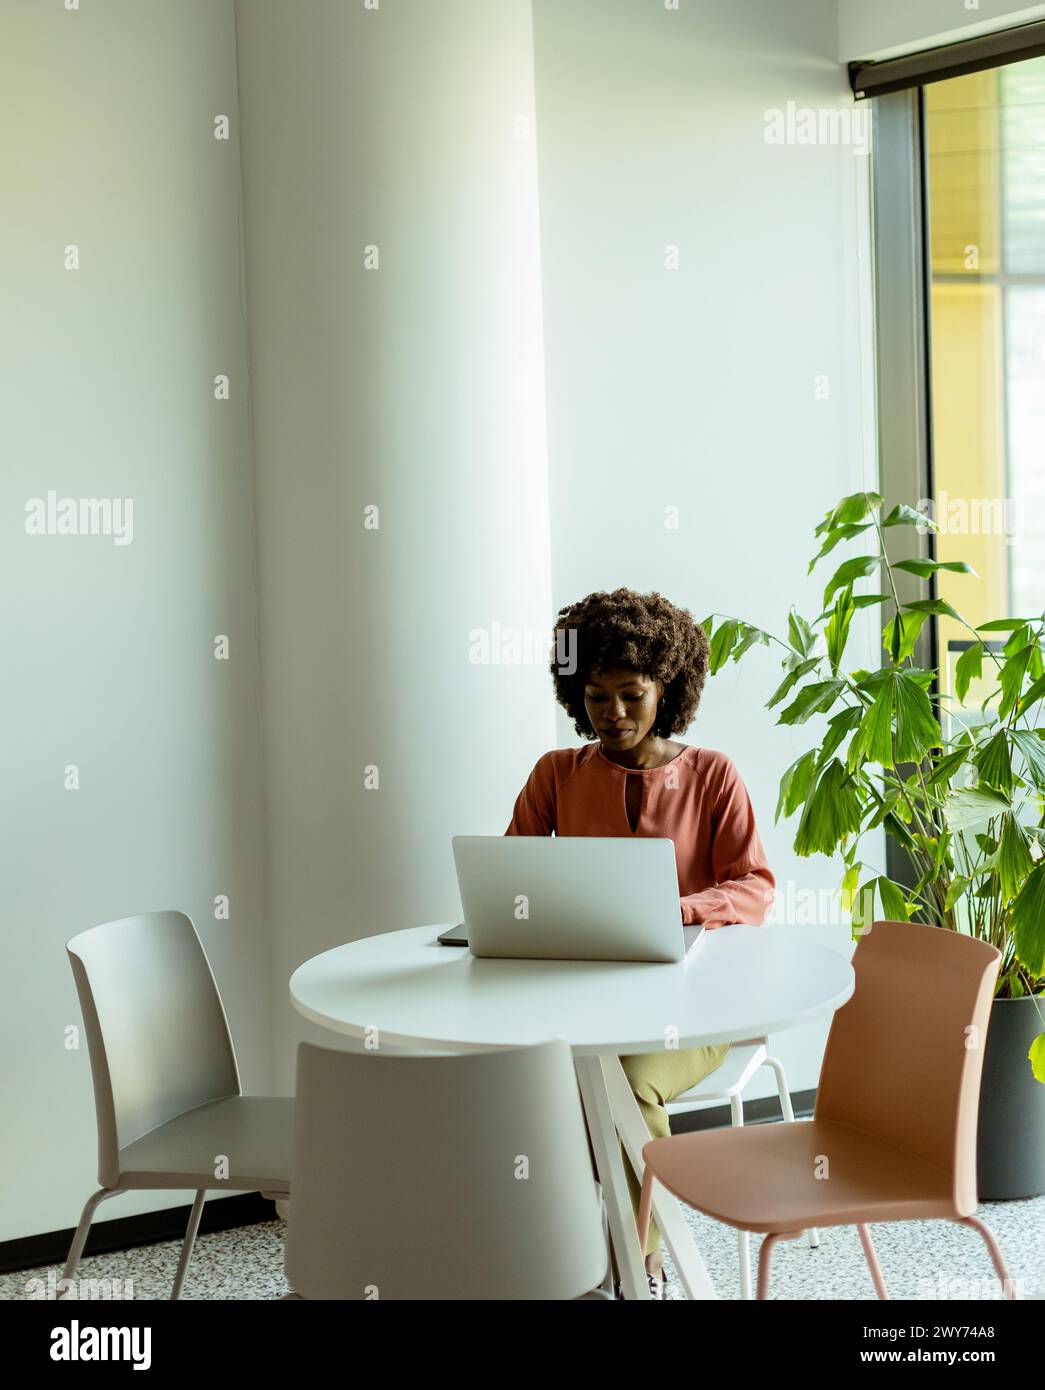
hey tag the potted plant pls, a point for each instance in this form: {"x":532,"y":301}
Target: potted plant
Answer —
{"x":961,"y":790}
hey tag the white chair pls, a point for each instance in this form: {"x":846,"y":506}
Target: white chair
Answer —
{"x":728,"y":1082}
{"x":442,"y":1177}
{"x":167,"y":1092}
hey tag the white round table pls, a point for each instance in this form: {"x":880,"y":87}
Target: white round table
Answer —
{"x":403,"y":989}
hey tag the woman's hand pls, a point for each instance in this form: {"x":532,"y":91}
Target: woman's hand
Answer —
{"x":708,"y":926}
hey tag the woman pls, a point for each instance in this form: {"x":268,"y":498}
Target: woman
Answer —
{"x":635,"y":673}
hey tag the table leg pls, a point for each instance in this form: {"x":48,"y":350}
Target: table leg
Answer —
{"x":627,"y":1118}
{"x":610,"y":1165}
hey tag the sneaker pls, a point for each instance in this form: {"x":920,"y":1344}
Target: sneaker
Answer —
{"x":657,"y":1287}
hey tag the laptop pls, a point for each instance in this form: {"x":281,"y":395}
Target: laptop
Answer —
{"x":543,"y":897}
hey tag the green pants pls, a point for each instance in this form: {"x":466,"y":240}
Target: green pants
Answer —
{"x":656,"y":1078}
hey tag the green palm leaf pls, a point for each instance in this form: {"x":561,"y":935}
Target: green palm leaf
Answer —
{"x":831,"y":812}
{"x":916,"y":727}
{"x":1028,"y":923}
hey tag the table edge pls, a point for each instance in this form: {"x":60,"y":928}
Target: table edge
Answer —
{"x":413,"y":1041}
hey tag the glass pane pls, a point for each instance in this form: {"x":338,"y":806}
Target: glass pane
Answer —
{"x":1022,"y":98}
{"x":985,"y":137}
{"x":1025,"y":373}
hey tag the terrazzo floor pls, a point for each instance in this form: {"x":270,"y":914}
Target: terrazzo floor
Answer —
{"x":919,"y":1259}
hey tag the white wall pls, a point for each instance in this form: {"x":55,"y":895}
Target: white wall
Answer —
{"x":695,"y":387}
{"x":888,"y":28}
{"x":404,"y":127}
{"x":397,"y":128}
{"x":106,"y":142}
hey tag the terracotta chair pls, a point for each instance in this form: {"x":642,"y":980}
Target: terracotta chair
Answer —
{"x":893,"y":1133}
{"x":727,"y":1082}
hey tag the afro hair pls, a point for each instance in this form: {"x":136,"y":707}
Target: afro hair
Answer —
{"x":643,"y":632}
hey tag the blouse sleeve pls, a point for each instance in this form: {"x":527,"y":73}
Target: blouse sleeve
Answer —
{"x":534,"y":812}
{"x":744,"y":883}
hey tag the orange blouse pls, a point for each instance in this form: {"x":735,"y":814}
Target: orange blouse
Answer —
{"x":698,"y":801}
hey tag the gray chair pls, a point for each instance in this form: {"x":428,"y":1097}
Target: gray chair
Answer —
{"x":167,"y":1089}
{"x":442,"y":1177}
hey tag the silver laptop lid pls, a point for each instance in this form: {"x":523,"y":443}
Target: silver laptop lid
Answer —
{"x":570,"y":897}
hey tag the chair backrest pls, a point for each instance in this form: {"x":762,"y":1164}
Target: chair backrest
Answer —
{"x":442,"y":1177}
{"x":904,"y":1056}
{"x":156,"y":1028}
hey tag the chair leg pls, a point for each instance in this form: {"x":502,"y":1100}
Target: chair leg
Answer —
{"x":189,"y":1241}
{"x":645,"y":1207}
{"x":736,"y":1110}
{"x":764,"y":1255}
{"x":788,"y":1112}
{"x":80,"y":1236}
{"x":744,"y":1254}
{"x":607,"y":1282}
{"x":786,"y":1108}
{"x":1007,"y":1290}
{"x":872,"y":1261}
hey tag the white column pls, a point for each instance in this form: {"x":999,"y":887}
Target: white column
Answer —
{"x":407,"y":377}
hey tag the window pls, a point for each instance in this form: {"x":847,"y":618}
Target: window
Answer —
{"x":985,"y":201}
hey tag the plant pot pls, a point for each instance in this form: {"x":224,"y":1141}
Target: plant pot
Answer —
{"x":1010,"y":1146}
